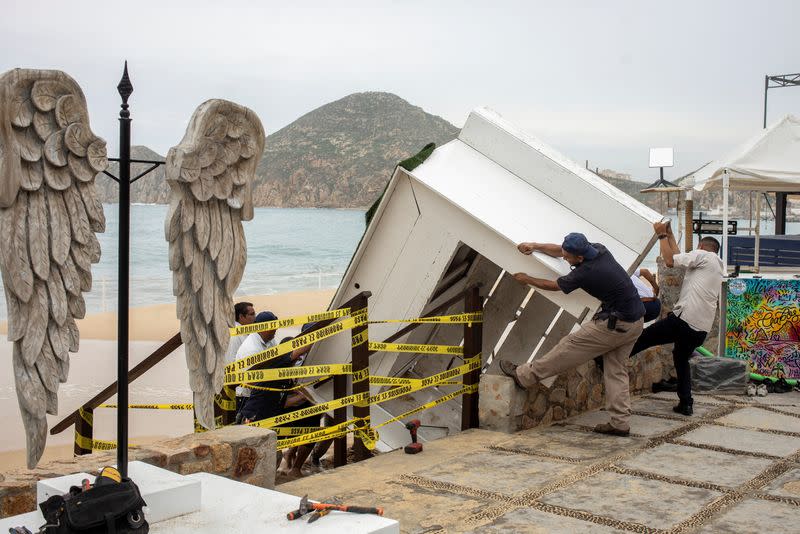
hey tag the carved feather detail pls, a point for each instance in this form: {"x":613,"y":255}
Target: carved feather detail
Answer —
{"x":210,"y":175}
{"x":46,"y":232}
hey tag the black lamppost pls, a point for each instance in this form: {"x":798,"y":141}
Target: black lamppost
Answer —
{"x":125,"y":89}
{"x":774,"y":82}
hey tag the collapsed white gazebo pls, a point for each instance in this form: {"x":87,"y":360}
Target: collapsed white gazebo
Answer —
{"x":456,"y":219}
{"x":770,"y":161}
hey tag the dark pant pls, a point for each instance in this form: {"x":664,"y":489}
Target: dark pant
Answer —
{"x":672,"y":329}
{"x":652,"y":309}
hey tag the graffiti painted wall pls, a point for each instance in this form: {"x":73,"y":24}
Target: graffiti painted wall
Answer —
{"x":764,"y":325}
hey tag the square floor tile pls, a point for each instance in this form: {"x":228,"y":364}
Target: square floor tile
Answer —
{"x":743,"y":440}
{"x":652,"y":503}
{"x":499,"y":472}
{"x":641,"y":425}
{"x":786,"y":485}
{"x":569,"y":442}
{"x":530,"y":520}
{"x":755,"y":516}
{"x":698,"y":465}
{"x":661,"y":407}
{"x":762,"y":419}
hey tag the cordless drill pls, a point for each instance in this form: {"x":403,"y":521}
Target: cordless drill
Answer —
{"x":413,"y":447}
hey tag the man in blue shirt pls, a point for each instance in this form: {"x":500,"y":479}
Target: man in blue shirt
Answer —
{"x":612,"y":331}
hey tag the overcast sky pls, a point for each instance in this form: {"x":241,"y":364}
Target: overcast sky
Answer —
{"x":602,"y":80}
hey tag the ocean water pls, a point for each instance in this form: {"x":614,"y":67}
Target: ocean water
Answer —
{"x":289,"y":249}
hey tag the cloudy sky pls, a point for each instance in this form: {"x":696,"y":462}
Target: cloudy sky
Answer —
{"x":602,"y":80}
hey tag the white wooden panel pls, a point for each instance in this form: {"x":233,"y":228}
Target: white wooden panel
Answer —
{"x":501,"y":309}
{"x":527,"y":331}
{"x":563,"y":180}
{"x":502,"y":252}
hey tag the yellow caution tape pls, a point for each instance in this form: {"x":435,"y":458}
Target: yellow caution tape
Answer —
{"x":461,"y":318}
{"x":153,"y":406}
{"x":226,"y":404}
{"x":86,"y":415}
{"x":294,"y":388}
{"x":198,"y":428}
{"x":358,"y":376}
{"x":368,"y":436}
{"x":267,"y":375}
{"x":292,"y":321}
{"x":321,"y":434}
{"x":375,"y":380}
{"x":360,"y":338}
{"x":295,"y":430}
{"x":310,"y":411}
{"x":473,"y":388}
{"x":296,"y":343}
{"x":416,"y":348}
{"x":433,"y":380}
{"x":97,"y":444}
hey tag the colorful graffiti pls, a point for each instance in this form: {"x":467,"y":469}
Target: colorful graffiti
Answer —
{"x":764,"y":325}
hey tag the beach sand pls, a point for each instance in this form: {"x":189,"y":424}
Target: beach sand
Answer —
{"x":93,"y":368}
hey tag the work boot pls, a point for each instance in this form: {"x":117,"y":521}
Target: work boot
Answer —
{"x":606,"y":428}
{"x":510,"y":369}
{"x":683,"y":409}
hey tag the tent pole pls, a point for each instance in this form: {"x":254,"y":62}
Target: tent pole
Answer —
{"x":725,"y":192}
{"x":758,"y":234}
{"x":688,"y":216}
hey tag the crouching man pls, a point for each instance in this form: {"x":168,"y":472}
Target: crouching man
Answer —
{"x":612,"y":331}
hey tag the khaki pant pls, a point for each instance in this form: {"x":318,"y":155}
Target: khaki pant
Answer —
{"x":593,"y":339}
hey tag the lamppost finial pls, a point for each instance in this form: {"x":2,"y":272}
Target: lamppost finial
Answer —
{"x":125,"y":89}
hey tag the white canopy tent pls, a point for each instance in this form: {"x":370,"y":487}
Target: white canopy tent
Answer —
{"x":770,"y":161}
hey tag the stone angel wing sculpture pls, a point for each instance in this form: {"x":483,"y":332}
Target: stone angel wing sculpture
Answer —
{"x":210,"y":174}
{"x":49,"y":214}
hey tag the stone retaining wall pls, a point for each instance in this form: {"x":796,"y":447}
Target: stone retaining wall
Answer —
{"x":242,"y":453}
{"x":505,"y":408}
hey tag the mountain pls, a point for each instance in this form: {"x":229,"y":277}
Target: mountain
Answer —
{"x":342,"y":154}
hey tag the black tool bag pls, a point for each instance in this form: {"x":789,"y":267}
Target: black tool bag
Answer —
{"x":101,"y":509}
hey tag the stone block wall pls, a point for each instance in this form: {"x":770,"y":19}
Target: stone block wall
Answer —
{"x":242,"y":453}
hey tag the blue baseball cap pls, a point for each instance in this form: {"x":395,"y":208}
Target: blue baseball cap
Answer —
{"x":576,"y":243}
{"x":265,"y":317}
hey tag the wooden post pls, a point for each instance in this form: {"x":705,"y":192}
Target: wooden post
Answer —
{"x":84,"y":431}
{"x":473,"y":339}
{"x":689,"y":217}
{"x":339,"y":416}
{"x":360,"y":360}
{"x":225,"y":406}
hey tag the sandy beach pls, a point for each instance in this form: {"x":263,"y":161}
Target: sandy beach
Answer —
{"x":93,"y":367}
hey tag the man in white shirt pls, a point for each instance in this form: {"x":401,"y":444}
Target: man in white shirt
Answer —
{"x":648,"y":294}
{"x":244,"y":313}
{"x":266,"y":403}
{"x":693,"y":315}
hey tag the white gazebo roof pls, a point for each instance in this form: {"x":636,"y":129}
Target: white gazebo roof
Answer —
{"x":769,"y":161}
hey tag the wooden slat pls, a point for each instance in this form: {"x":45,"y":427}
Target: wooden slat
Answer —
{"x":527,"y":331}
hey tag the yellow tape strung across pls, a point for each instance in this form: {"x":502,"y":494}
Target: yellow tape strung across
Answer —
{"x":360,"y":338}
{"x":294,"y":388}
{"x":267,"y":375}
{"x":292,"y":321}
{"x":375,"y":380}
{"x":311,"y":410}
{"x":320,"y":434}
{"x":153,"y":406}
{"x":296,"y":343}
{"x":86,"y":416}
{"x":450,"y":396}
{"x":461,"y":318}
{"x":433,"y":380}
{"x":416,"y":348}
{"x":295,"y":430}
{"x":97,"y":444}
{"x":226,"y":404}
